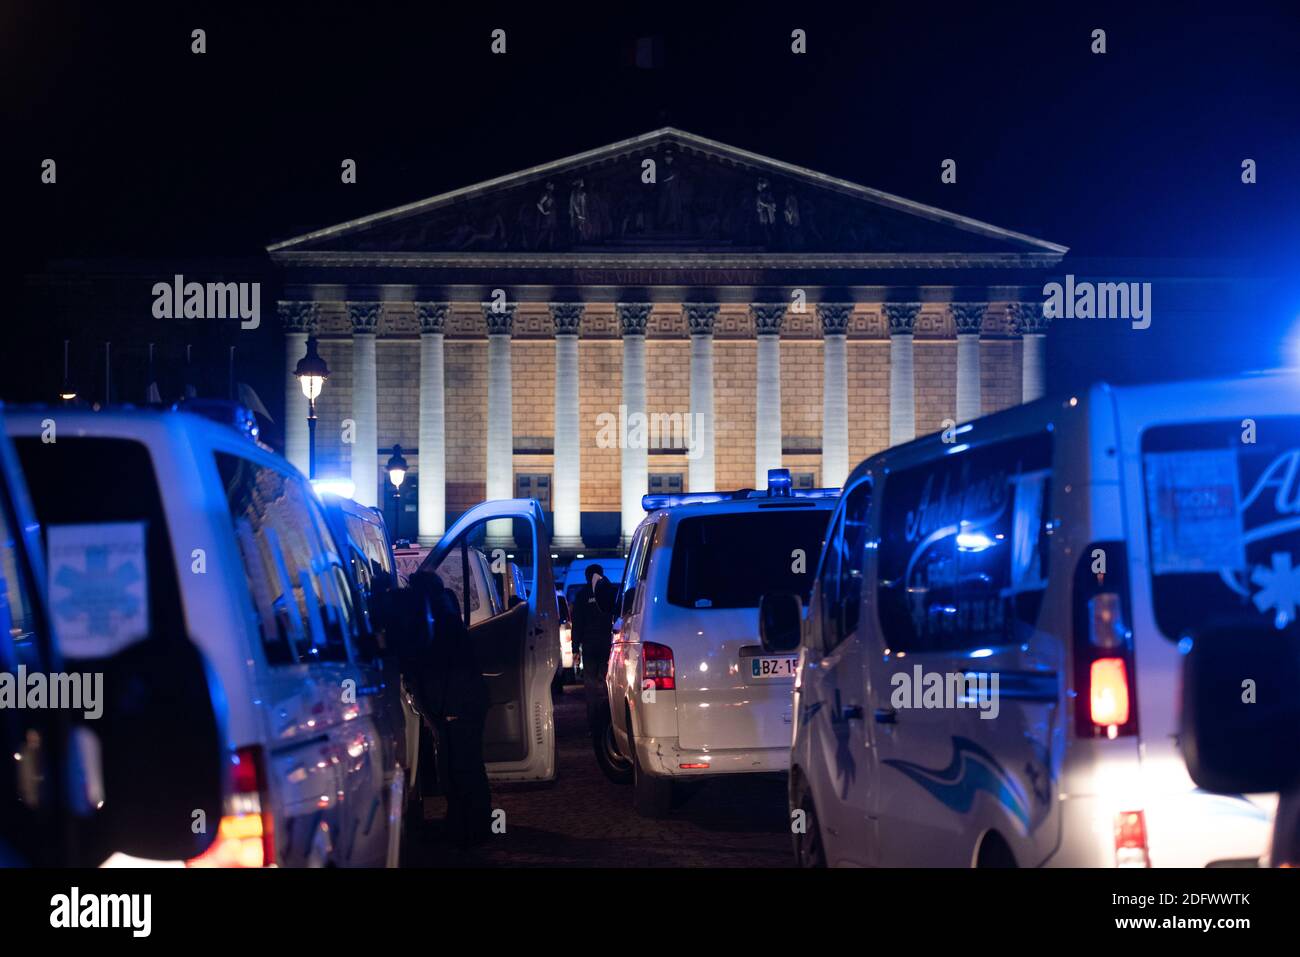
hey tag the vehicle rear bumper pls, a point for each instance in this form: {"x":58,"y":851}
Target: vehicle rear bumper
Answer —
{"x":664,"y":758}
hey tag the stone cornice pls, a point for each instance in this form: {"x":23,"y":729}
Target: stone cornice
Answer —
{"x":660,"y":261}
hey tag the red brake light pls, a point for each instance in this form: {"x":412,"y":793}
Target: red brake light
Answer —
{"x":245,"y":837}
{"x":1131,"y":839}
{"x":1108,"y":692}
{"x":657,"y":667}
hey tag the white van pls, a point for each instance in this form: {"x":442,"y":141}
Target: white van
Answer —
{"x":170,"y":523}
{"x":691,"y":693}
{"x":990,"y":660}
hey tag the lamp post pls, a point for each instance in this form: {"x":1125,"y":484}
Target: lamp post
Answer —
{"x":67,"y":393}
{"x":312,"y":373}
{"x":396,"y":466}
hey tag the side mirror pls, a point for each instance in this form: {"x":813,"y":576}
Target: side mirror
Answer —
{"x":780,"y":620}
{"x":629,"y":598}
{"x":162,"y":755}
{"x":1241,"y":709}
{"x":407,"y":620}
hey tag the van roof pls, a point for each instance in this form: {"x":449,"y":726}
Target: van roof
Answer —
{"x":1272,"y":392}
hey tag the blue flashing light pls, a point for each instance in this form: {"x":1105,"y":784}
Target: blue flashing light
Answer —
{"x":653,"y":502}
{"x":778,"y":482}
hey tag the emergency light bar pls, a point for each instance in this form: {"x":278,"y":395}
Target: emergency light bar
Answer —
{"x":778,"y":486}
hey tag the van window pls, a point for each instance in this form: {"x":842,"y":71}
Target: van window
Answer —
{"x":96,"y":482}
{"x":294,"y":574}
{"x":963,"y":547}
{"x":733,"y":560}
{"x":1223,"y":523}
{"x":851,"y":543}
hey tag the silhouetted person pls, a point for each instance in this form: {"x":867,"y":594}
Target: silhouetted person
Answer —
{"x":454,"y":696}
{"x":591,"y":629}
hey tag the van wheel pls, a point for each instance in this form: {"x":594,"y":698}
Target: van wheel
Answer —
{"x":612,"y":762}
{"x":652,"y":796}
{"x":808,"y":849}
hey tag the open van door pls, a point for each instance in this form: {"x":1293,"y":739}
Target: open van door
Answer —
{"x":519,"y":646}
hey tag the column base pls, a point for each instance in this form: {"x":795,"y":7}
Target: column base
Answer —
{"x":568,"y":543}
{"x":426,"y":541}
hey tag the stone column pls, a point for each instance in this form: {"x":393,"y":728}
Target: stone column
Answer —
{"x":835,"y":392}
{"x":365,"y":402}
{"x":1032,"y":326}
{"x":566,"y":484}
{"x":701,"y":476}
{"x":299,"y":321}
{"x":968,"y":317}
{"x":500,"y":317}
{"x":632,"y":318}
{"x":767,"y":378}
{"x":431,"y":457}
{"x":902,"y":383}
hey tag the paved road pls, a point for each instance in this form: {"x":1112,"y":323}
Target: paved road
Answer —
{"x":584,"y":820}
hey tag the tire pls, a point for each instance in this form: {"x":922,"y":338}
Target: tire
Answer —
{"x":651,"y":796}
{"x":809,"y":851}
{"x":613,"y":763}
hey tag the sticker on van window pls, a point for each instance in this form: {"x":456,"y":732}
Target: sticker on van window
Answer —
{"x":1193,"y":498}
{"x":99,"y":589}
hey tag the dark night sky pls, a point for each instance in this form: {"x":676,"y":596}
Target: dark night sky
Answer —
{"x":163,"y":154}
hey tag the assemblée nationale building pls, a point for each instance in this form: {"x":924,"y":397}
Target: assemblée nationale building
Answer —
{"x":780,"y":316}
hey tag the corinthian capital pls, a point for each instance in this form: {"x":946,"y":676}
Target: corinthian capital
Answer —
{"x":500,"y":317}
{"x":432,"y":316}
{"x":364,"y":317}
{"x":700,"y":316}
{"x":968,"y":317}
{"x":567,"y":317}
{"x":834,"y":317}
{"x":767,"y":317}
{"x":297,"y":316}
{"x":633,"y":317}
{"x":1029,"y":318}
{"x":901,"y":316}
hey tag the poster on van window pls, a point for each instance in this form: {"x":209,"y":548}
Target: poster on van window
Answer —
{"x":1195,"y":513}
{"x":98,"y":585}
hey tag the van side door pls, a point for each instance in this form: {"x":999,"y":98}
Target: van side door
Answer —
{"x":833,"y":692}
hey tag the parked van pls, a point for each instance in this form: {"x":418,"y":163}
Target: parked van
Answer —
{"x":236,"y":554}
{"x":691,"y":692}
{"x":84,"y":782}
{"x":990,"y":658}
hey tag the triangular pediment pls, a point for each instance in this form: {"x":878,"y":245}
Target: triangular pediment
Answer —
{"x":703,"y":197}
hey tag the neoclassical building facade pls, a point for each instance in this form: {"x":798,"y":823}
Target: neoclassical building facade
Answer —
{"x":664,"y":313}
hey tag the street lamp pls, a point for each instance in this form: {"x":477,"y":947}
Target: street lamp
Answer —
{"x":396,"y":466}
{"x":312,"y":373}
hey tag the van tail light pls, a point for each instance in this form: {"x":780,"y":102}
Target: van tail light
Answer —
{"x":657,"y":668}
{"x":1131,"y":840}
{"x":1105,"y":692}
{"x":1108,"y":692}
{"x":245,"y":837}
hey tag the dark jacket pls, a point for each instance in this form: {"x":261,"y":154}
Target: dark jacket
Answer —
{"x":593,"y":617}
{"x":450,"y":682}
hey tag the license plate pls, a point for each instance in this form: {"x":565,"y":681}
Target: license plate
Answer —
{"x":772,"y":667}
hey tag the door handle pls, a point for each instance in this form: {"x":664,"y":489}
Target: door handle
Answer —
{"x":886,"y":716}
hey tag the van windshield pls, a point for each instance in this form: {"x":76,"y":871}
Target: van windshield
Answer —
{"x":731,"y":561}
{"x":1223,"y":522}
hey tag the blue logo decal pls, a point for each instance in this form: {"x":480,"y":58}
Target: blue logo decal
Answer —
{"x":971,"y":770}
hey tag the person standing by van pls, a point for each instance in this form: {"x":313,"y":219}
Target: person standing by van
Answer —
{"x":593,"y":617}
{"x":454,"y":696}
